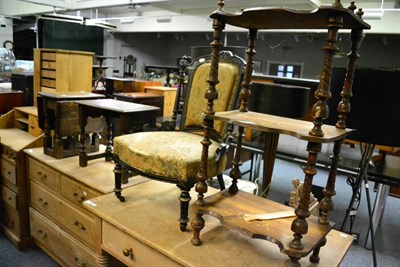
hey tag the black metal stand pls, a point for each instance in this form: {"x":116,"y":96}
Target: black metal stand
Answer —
{"x":362,"y":176}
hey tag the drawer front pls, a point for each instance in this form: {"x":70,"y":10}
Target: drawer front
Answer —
{"x":9,"y":154}
{"x":49,"y":74}
{"x":49,"y":56}
{"x":83,"y":226}
{"x":9,"y":218}
{"x":130,"y":251}
{"x":48,"y":83}
{"x":8,"y":196}
{"x":76,"y":192}
{"x":43,"y":174}
{"x":67,"y":250}
{"x":8,"y":171}
{"x":49,"y":65}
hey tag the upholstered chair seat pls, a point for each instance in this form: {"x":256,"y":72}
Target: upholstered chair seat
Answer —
{"x":173,"y":156}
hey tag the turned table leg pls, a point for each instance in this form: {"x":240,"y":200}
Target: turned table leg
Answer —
{"x":326,"y":204}
{"x":300,"y":225}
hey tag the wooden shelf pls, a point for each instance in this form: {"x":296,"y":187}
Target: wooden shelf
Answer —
{"x":230,"y":209}
{"x":285,"y":18}
{"x":280,"y":125}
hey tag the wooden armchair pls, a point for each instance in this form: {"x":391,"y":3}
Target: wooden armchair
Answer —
{"x":174,"y":156}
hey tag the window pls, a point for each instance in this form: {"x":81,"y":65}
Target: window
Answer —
{"x":282,"y":69}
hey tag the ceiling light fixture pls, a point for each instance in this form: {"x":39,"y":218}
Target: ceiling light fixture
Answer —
{"x":61,"y":17}
{"x":100,"y":23}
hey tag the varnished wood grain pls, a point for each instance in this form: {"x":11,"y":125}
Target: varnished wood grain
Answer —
{"x":152,"y":200}
{"x":280,"y":125}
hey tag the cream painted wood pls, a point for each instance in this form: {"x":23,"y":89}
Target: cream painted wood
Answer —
{"x":58,"y":243}
{"x":43,"y":174}
{"x":155,"y":201}
{"x":131,"y":251}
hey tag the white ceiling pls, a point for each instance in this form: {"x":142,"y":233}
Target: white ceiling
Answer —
{"x":118,"y":7}
{"x":186,"y":12}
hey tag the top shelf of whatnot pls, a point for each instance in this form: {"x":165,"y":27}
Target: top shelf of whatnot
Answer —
{"x":286,"y":18}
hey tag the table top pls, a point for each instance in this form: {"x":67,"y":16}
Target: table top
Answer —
{"x":116,"y":105}
{"x":137,"y":95}
{"x":161,"y":88}
{"x":154,"y":223}
{"x":70,"y":95}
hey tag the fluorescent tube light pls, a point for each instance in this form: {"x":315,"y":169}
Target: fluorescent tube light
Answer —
{"x":100,"y":23}
{"x":61,"y":17}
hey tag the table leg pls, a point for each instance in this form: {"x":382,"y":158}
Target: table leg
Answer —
{"x":109,"y":121}
{"x":83,"y":158}
{"x":270,"y":147}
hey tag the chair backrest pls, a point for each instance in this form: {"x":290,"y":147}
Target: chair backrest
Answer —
{"x":230,"y":75}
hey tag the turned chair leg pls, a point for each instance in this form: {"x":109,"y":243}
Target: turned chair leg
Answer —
{"x":184,"y":199}
{"x":221,"y":181}
{"x":118,"y":170}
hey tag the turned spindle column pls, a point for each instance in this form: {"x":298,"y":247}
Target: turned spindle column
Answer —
{"x":343,"y":109}
{"x":320,"y":110}
{"x":211,"y":94}
{"x":245,"y":92}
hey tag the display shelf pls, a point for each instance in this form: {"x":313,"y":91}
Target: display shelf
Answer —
{"x":280,"y":125}
{"x":224,"y":206}
{"x":298,"y":236}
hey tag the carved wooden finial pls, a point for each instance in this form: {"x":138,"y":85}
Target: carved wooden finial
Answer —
{"x":352,"y":6}
{"x":337,"y":4}
{"x":360,"y":13}
{"x":221,"y":5}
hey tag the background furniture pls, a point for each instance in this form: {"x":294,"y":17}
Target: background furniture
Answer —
{"x":115,"y":85}
{"x":58,"y":70}
{"x":308,"y":231}
{"x":129,"y":117}
{"x":60,"y":226}
{"x":143,"y":98}
{"x":59,"y":119}
{"x":9,"y":98}
{"x":18,"y":131}
{"x":23,"y":82}
{"x":169,"y":94}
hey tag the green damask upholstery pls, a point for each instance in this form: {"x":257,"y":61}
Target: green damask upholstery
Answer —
{"x":171,"y":155}
{"x":197,"y":102}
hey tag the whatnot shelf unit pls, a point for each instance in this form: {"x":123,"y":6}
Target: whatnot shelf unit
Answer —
{"x":299,"y":236}
{"x":18,"y":131}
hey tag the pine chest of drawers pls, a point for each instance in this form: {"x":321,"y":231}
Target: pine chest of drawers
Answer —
{"x":60,"y":225}
{"x":18,"y":130}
